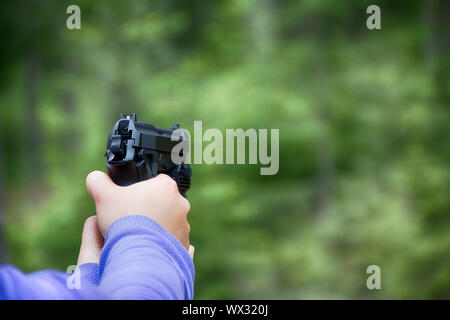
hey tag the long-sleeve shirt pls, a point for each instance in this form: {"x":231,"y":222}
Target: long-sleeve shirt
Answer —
{"x":139,"y":260}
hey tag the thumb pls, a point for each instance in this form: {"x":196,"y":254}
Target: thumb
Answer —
{"x":91,"y":242}
{"x":97,"y":183}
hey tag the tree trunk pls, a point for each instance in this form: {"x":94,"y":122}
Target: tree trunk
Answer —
{"x":262,"y":27}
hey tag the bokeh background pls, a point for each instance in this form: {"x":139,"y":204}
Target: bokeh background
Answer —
{"x":364,"y":135}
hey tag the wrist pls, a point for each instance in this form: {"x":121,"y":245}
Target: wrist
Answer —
{"x":128,"y":229}
{"x":135,"y":224}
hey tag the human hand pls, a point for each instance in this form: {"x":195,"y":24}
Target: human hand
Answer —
{"x":157,"y":198}
{"x":92,"y":243}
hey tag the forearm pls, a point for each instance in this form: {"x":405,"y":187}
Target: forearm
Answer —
{"x":141,"y":260}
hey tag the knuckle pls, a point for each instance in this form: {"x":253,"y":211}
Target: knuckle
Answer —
{"x":185,"y":204}
{"x":168,"y":181}
{"x":172,"y":184}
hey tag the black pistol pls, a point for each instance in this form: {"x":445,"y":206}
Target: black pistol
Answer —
{"x":138,"y":151}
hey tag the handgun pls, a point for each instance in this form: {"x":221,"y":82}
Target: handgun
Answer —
{"x":138,"y":150}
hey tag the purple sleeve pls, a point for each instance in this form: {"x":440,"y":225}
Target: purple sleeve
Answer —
{"x":139,"y":260}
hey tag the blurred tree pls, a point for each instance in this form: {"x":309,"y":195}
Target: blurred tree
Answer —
{"x":363,"y":119}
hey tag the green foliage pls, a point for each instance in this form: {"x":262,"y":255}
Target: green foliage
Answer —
{"x":363,"y":119}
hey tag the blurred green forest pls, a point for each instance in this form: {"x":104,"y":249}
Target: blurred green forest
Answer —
{"x":364,"y":135}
